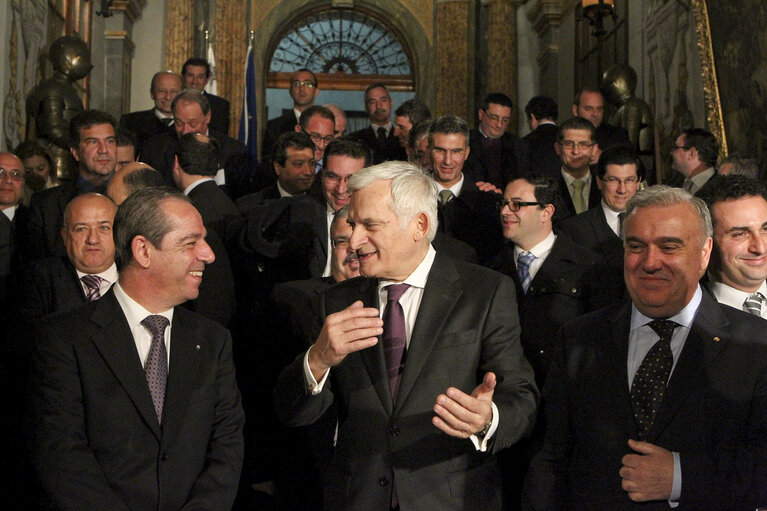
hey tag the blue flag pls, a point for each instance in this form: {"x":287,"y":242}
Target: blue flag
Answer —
{"x":248,"y":123}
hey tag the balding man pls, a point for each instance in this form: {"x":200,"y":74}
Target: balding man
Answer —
{"x":132,"y":178}
{"x":340,"y":128}
{"x":148,"y":123}
{"x":12,"y":214}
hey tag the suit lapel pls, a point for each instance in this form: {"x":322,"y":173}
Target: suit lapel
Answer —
{"x":115,"y":343}
{"x":185,"y":350}
{"x":706,"y":339}
{"x":439,"y":298}
{"x":616,"y":355}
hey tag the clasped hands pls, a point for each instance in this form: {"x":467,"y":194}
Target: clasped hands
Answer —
{"x":357,"y":327}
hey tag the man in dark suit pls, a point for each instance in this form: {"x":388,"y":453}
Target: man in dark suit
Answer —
{"x":319,"y":123}
{"x":465,"y":212}
{"x":406,"y":116}
{"x":12,"y":214}
{"x":133,"y":401}
{"x":542,"y":113}
{"x":619,"y":175}
{"x":147,"y":123}
{"x":379,"y":135}
{"x":694,"y":157}
{"x":496,"y":155}
{"x":643,"y":410}
{"x":303,"y":90}
{"x":578,"y":188}
{"x":94,"y":146}
{"x":416,"y":429}
{"x":196,"y":73}
{"x":589,"y":103}
{"x":192,"y":114}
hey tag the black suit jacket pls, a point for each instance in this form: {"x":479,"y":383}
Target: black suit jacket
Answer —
{"x":472,"y":217}
{"x":515,"y":155}
{"x":391,"y":151}
{"x":144,"y":125}
{"x":49,"y":285}
{"x":274,"y":128}
{"x":565,"y":207}
{"x":465,"y":327}
{"x":714,"y":415}
{"x":42,"y":232}
{"x":216,"y":208}
{"x":238,"y":169}
{"x":544,"y":160}
{"x":607,"y":135}
{"x":219,"y":113}
{"x":96,"y":442}
{"x":11,"y":257}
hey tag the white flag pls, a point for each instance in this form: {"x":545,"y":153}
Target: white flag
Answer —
{"x":212,"y":86}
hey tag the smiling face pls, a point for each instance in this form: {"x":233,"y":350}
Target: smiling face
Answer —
{"x":96,"y":152}
{"x":188,"y":118}
{"x":618,"y":185}
{"x":664,"y":258}
{"x":344,"y":263}
{"x":335,"y":179}
{"x":740,"y":240}
{"x":531,"y":224}
{"x":177,"y":265}
{"x":87,"y":233}
{"x":164,"y":89}
{"x":195,"y":77}
{"x":297,"y":175}
{"x":385,"y":250}
{"x":448,"y":154}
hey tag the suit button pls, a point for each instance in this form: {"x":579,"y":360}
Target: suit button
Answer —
{"x":383,"y":481}
{"x":164,"y":456}
{"x":394,"y":430}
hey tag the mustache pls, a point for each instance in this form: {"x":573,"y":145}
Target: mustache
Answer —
{"x":351,"y":257}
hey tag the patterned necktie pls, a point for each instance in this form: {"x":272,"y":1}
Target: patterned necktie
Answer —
{"x":445,"y":196}
{"x":753,"y":304}
{"x":649,"y":385}
{"x":156,"y":368}
{"x":382,"y":138}
{"x":93,"y":283}
{"x":524,"y":260}
{"x":394,"y":336}
{"x":578,"y":203}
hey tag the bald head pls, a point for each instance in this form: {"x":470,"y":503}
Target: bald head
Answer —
{"x":131,"y":178}
{"x":87,"y":232}
{"x":11,"y":180}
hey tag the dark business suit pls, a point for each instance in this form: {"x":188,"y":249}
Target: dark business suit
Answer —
{"x":11,"y":257}
{"x":233,"y":157}
{"x":215,"y":207}
{"x":49,"y":285}
{"x":274,"y":128}
{"x":144,"y":125}
{"x":42,"y":233}
{"x":566,"y":208}
{"x":391,"y":150}
{"x":714,"y":414}
{"x":607,"y":135}
{"x":544,"y":160}
{"x":219,"y":112}
{"x":465,"y":327}
{"x":514,"y":160}
{"x":472,"y":217}
{"x":96,"y":441}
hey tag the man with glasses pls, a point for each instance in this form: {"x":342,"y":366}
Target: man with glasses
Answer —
{"x":12,"y":215}
{"x":496,"y":156}
{"x":694,"y":156}
{"x":379,"y":135}
{"x":303,"y":90}
{"x":619,"y":175}
{"x":319,"y":123}
{"x":575,"y":146}
{"x":556,"y":281}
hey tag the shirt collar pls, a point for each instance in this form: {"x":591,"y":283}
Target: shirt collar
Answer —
{"x":196,"y":184}
{"x":134,"y":312}
{"x":685,"y":317}
{"x":456,"y":188}
{"x":700,"y":179}
{"x":728,"y":295}
{"x":386,"y":126}
{"x":541,"y":250}
{"x":569,"y":179}
{"x":162,"y":116}
{"x":110,"y":274}
{"x":284,"y":193}
{"x":420,"y":274}
{"x":10,"y":212}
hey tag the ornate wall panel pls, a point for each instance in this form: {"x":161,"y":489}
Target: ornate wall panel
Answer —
{"x":454,"y":71}
{"x":179,"y":35}
{"x":501,"y":66}
{"x":231,"y":43}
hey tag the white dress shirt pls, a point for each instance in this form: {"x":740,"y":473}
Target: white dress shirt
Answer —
{"x":736,"y":298}
{"x":541,"y":251}
{"x":10,"y":212}
{"x":613,"y":221}
{"x":330,"y":214}
{"x":456,"y":188}
{"x":135,"y":314}
{"x":108,"y":277}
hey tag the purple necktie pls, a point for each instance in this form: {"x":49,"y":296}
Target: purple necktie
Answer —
{"x":394,"y":336}
{"x":156,"y":368}
{"x":93,"y":283}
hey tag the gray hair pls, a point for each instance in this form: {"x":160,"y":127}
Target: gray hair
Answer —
{"x":666,"y":196}
{"x":412,"y":191}
{"x":192,"y":96}
{"x":141,"y":214}
{"x":338,"y":216}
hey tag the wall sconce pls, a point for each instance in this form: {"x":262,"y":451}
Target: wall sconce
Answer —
{"x":595,"y":11}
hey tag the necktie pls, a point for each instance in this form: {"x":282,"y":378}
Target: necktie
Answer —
{"x":753,"y":304}
{"x":649,"y":385}
{"x":394,"y":336}
{"x":445,"y":196}
{"x":621,"y":219}
{"x":578,"y":202}
{"x":381,"y":137}
{"x":166,"y":121}
{"x":93,"y":283}
{"x":524,"y":260}
{"x":156,"y":368}
{"x":688,"y":185}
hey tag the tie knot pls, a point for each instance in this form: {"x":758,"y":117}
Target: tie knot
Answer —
{"x":445,"y":196}
{"x":395,"y":291}
{"x":381,"y":132}
{"x":664,"y":328}
{"x":753,"y":304}
{"x":156,"y":324}
{"x":92,"y":281}
{"x":524,"y":259}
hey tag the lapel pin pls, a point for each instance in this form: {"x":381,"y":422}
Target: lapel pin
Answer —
{"x":198,"y":347}
{"x":716,"y":339}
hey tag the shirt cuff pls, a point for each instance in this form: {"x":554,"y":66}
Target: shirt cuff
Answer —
{"x":311,"y":383}
{"x":676,"y":486}
{"x":481,"y":444}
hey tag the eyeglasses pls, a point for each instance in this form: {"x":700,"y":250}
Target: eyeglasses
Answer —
{"x":614,"y":181}
{"x":306,"y":83}
{"x":495,"y":117}
{"x":515,"y":205}
{"x":11,"y":175}
{"x":571,"y":144}
{"x":340,"y":242}
{"x":317,"y":138}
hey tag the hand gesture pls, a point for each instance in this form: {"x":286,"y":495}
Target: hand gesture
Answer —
{"x":462,"y":415}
